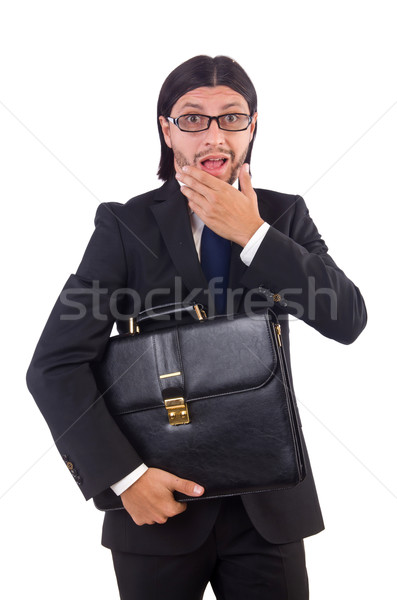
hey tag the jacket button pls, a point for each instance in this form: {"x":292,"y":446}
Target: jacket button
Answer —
{"x":69,"y":465}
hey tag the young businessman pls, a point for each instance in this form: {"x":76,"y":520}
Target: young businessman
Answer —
{"x":150,"y":251}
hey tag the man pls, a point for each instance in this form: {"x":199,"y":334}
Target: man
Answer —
{"x":147,"y":252}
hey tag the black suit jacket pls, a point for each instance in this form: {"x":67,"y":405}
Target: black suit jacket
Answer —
{"x":142,"y":253}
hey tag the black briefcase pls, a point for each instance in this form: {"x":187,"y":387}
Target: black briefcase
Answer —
{"x":210,"y":401}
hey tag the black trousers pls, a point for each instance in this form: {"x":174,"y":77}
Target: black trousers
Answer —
{"x":235,"y":559}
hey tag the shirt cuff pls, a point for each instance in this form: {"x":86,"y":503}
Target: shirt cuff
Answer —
{"x":249,"y":250}
{"x":120,"y":486}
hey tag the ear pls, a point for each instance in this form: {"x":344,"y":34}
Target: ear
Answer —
{"x":165,"y":128}
{"x":253,"y":125}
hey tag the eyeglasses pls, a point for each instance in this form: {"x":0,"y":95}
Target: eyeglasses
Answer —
{"x":194,"y":123}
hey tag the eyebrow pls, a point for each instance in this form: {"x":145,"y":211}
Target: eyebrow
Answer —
{"x":200,"y":106}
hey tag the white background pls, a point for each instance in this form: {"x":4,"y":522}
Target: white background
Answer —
{"x":78,"y":90}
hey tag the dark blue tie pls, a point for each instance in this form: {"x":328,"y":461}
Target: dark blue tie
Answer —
{"x":215,"y":260}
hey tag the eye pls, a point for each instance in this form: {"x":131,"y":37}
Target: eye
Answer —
{"x":193,"y":119}
{"x":234,"y":121}
{"x":192,"y":122}
{"x":232,"y":118}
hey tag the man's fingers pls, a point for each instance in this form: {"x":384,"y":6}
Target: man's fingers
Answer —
{"x":193,"y":195}
{"x":189,"y":488}
{"x":194,"y":184}
{"x":199,"y":180}
{"x":197,"y":177}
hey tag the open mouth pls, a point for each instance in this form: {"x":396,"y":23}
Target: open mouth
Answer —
{"x":213,"y":165}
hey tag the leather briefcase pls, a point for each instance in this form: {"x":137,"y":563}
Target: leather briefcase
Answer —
{"x":210,"y":401}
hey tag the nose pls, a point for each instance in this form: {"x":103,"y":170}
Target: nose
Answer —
{"x":213,"y":135}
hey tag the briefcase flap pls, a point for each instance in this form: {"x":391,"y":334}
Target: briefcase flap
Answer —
{"x":205,"y":359}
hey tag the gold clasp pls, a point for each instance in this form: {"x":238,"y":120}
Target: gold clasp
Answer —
{"x":178,"y":413}
{"x":133,"y":326}
{"x":200,"y":312}
{"x":174,"y":374}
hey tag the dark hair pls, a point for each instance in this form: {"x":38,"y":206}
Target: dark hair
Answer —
{"x":200,"y":71}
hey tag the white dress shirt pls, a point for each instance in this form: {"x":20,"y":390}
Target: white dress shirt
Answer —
{"x":247,"y":256}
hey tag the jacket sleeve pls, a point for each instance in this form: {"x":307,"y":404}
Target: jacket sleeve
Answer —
{"x":298,"y":267}
{"x":59,"y":376}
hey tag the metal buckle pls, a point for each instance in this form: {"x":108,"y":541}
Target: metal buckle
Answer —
{"x":177,"y":410}
{"x":200,"y":312}
{"x":133,"y":326}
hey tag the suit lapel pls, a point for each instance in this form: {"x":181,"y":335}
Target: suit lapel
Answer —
{"x":172,"y":216}
{"x":171,"y":213}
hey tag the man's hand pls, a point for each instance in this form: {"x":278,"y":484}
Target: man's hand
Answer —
{"x":232,"y":214}
{"x":150,"y":499}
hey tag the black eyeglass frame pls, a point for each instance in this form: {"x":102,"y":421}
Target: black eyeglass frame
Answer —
{"x":175,"y":122}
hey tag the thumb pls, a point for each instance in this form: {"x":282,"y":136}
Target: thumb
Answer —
{"x":245,"y":181}
{"x":189,"y":488}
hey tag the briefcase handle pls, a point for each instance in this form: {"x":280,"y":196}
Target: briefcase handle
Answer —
{"x":196,"y":310}
{"x":166,"y":310}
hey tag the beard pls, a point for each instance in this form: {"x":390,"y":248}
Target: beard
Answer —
{"x":236,"y":165}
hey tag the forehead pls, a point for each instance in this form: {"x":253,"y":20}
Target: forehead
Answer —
{"x":216,"y":98}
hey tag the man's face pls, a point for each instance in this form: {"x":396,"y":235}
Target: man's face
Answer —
{"x":218,"y":152}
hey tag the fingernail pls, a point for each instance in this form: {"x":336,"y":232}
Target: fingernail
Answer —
{"x":177,"y":176}
{"x":198,"y":489}
{"x":246,"y":167}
